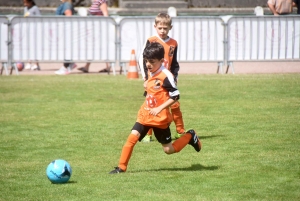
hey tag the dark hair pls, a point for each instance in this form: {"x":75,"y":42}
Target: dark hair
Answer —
{"x":32,"y":1}
{"x":154,"y":51}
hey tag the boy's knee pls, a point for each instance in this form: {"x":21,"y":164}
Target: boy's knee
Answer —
{"x":136,"y":133}
{"x":169,"y":150}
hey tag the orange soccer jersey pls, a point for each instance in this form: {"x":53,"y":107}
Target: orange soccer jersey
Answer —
{"x":160,"y":87}
{"x":169,"y":46}
{"x":170,"y":57}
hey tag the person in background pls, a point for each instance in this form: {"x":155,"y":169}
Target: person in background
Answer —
{"x":296,"y":3}
{"x":98,"y":8}
{"x":31,"y":9}
{"x":66,"y":8}
{"x":280,"y":7}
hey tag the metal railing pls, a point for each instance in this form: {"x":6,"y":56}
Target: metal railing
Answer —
{"x":200,"y":39}
{"x":61,"y":39}
{"x":102,"y":39}
{"x":4,"y":57}
{"x":263,"y":38}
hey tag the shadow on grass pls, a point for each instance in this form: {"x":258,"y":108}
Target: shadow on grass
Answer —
{"x":69,"y":182}
{"x":201,"y":137}
{"x":194,"y":167}
{"x":210,"y":136}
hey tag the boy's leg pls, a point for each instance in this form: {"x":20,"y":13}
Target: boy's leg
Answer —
{"x":180,"y":143}
{"x":177,"y":118}
{"x":127,"y":150}
{"x":189,"y":138}
{"x":163,"y":136}
{"x":137,"y":133}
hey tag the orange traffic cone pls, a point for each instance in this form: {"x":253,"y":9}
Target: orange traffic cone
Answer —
{"x":132,"y":71}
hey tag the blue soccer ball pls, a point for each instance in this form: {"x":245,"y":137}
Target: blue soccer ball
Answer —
{"x":59,"y":171}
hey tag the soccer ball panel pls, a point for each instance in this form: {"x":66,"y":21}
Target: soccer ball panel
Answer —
{"x":59,"y":171}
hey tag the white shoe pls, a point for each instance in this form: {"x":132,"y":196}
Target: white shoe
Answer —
{"x":35,"y":67}
{"x":62,"y":71}
{"x":28,"y":66}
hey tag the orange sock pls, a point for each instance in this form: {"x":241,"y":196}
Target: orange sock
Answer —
{"x":127,"y":151}
{"x":180,"y":143}
{"x":177,"y":117}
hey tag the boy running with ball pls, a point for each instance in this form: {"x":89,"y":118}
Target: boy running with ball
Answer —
{"x":154,"y":112}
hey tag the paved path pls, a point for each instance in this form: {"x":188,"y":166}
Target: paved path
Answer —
{"x":186,"y":68}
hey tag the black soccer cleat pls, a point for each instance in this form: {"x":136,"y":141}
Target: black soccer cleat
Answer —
{"x":195,"y":141}
{"x":117,"y":170}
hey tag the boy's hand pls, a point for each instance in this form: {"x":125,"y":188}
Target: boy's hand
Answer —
{"x":155,"y":111}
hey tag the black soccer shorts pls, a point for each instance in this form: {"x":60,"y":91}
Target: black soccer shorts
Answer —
{"x":163,"y":136}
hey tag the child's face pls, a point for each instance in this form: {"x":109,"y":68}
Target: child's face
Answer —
{"x":162,"y":30}
{"x":153,"y":64}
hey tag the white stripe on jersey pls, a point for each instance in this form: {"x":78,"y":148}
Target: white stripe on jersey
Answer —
{"x":170,"y":79}
{"x":170,"y":76}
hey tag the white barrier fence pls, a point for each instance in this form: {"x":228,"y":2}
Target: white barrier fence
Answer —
{"x":4,"y":42}
{"x":101,"y":39}
{"x":49,"y":39}
{"x":60,"y":39}
{"x":266,"y":38}
{"x":3,"y":39}
{"x":200,"y":39}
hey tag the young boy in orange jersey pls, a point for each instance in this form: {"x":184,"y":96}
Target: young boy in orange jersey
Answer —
{"x":154,"y":112}
{"x":163,"y":24}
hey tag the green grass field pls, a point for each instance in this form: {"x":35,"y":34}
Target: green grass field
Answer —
{"x":249,"y":126}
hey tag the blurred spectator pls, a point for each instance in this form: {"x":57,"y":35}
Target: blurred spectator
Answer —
{"x":98,"y":8}
{"x":31,"y":9}
{"x":296,"y":3}
{"x":281,"y":7}
{"x":66,"y":8}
